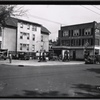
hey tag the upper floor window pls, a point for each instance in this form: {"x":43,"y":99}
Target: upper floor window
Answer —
{"x":33,"y":37}
{"x":97,"y":42}
{"x":33,"y":47}
{"x":27,"y":35}
{"x":87,"y":31}
{"x":76,"y":33}
{"x":66,"y":33}
{"x":0,"y":31}
{"x":28,"y":26}
{"x":20,"y":46}
{"x":27,"y":46}
{"x":34,"y":28}
{"x":21,"y":35}
{"x":42,"y":38}
{"x":0,"y":44}
{"x":21,"y":25}
{"x":97,"y":31}
{"x":41,"y":47}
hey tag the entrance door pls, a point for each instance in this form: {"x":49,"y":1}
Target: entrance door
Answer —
{"x":74,"y":55}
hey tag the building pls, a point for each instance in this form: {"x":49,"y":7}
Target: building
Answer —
{"x":77,"y":38}
{"x":20,"y":36}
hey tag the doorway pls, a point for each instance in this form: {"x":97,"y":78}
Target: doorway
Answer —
{"x":74,"y":55}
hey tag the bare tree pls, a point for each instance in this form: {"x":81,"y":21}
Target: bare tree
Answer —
{"x":8,"y":11}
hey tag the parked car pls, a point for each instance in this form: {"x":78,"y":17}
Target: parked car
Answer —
{"x":3,"y":56}
{"x":90,"y":59}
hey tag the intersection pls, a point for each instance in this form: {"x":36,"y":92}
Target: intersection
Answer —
{"x":70,"y":80}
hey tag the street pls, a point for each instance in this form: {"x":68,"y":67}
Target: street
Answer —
{"x":50,"y":81}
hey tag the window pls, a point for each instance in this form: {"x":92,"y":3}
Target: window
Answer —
{"x":33,"y":37}
{"x":42,"y":38}
{"x":66,"y":33}
{"x":41,"y":47}
{"x":72,"y":42}
{"x":34,"y":28}
{"x":0,"y":31}
{"x":97,"y":42}
{"x":28,"y":47}
{"x":20,"y":46}
{"x":76,"y":33}
{"x":0,"y":44}
{"x":21,"y":35}
{"x":67,"y":43}
{"x":33,"y":47}
{"x":21,"y":25}
{"x":87,"y":31}
{"x":28,"y":36}
{"x":97,"y":32}
{"x":24,"y":45}
{"x":28,"y":26}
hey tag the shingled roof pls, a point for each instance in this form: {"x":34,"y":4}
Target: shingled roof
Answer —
{"x":44,"y":30}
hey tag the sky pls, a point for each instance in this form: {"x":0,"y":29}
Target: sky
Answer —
{"x":54,"y":16}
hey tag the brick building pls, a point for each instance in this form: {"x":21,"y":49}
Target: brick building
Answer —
{"x":76,"y":37}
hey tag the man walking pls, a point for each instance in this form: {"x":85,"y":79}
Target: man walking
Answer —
{"x":10,"y":58}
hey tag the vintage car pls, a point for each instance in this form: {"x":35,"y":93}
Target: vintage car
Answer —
{"x":91,"y":59}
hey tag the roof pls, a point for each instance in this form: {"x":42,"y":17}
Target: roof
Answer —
{"x":29,"y":22}
{"x":13,"y":22}
{"x":76,"y":25}
{"x":45,"y":30}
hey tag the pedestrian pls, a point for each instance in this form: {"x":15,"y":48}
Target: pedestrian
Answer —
{"x":37,"y":55}
{"x":10,"y":58}
{"x":40,"y":56}
{"x":44,"y":55}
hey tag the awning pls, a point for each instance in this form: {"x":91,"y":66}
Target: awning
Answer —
{"x":68,"y":47}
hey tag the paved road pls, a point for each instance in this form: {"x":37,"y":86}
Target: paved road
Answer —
{"x":50,"y":81}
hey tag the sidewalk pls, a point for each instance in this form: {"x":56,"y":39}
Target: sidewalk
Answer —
{"x":36,"y":63}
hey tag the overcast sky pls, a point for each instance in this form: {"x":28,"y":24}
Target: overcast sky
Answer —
{"x":63,"y":14}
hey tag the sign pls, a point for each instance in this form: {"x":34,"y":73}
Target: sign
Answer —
{"x":86,"y":44}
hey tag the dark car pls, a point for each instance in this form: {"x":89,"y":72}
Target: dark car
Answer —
{"x":90,"y":59}
{"x":2,"y":56}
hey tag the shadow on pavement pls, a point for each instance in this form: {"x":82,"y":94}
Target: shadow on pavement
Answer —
{"x":28,"y":93}
{"x":96,"y":70}
{"x":87,"y":90}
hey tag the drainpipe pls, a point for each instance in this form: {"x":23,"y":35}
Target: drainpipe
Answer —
{"x":94,"y":40}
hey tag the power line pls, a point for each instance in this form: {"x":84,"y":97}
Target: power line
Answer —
{"x":47,"y":19}
{"x":90,"y":9}
{"x":96,"y":7}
